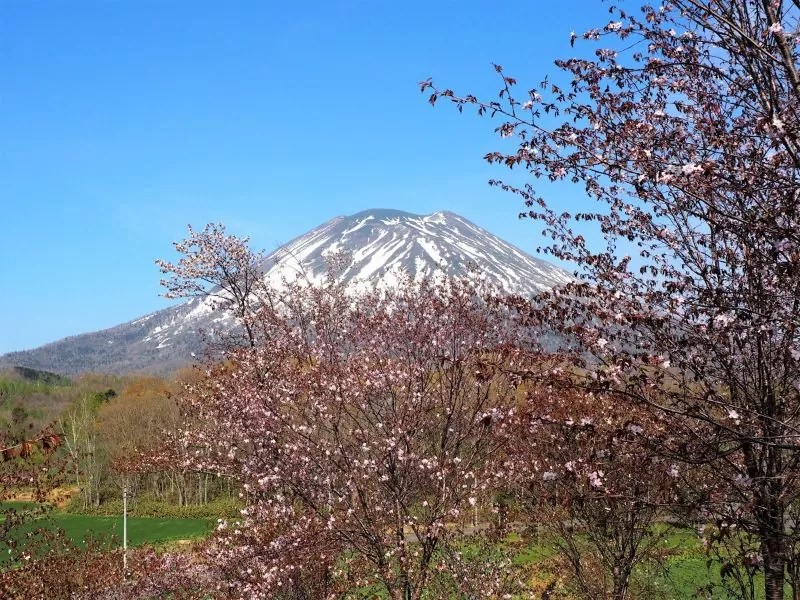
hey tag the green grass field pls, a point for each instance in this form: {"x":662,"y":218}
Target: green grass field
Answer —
{"x":687,"y":570}
{"x":141,"y":530}
{"x":108,"y":530}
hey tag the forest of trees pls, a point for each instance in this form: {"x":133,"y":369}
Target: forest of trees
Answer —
{"x":386,"y":443}
{"x":104,"y":424}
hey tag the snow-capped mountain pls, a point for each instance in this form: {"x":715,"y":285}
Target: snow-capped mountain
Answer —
{"x":377,"y":245}
{"x":381,"y":242}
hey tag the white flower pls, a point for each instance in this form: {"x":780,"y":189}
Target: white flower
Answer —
{"x":601,"y":343}
{"x":690,"y":168}
{"x":673,"y":471}
{"x":549,"y":476}
{"x":724,"y":319}
{"x":596,"y":479}
{"x":635,"y":429}
{"x":775,"y":28}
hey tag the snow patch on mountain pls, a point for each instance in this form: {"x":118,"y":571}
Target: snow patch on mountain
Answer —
{"x":381,"y":244}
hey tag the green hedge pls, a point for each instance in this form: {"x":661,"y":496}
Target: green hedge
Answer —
{"x":218,"y":508}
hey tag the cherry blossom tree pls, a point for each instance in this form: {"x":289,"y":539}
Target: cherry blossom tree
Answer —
{"x":363,"y":430}
{"x":586,"y":473}
{"x":57,"y":567}
{"x":683,"y":130}
{"x":221,"y":266}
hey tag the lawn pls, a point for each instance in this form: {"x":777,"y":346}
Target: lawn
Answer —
{"x":141,"y":530}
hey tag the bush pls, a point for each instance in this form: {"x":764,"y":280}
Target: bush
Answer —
{"x":145,"y":507}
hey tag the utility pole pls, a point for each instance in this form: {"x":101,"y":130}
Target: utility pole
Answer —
{"x":125,"y":530}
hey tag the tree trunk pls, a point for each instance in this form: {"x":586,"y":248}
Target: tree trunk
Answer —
{"x":771,"y":513}
{"x":774,"y":569}
{"x":402,"y":591}
{"x":179,"y":488}
{"x":621,"y":585}
{"x":771,"y":525}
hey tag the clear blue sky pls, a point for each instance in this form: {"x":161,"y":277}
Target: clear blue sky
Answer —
{"x":121,"y":122}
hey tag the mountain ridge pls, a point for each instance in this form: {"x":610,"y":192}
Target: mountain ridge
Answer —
{"x":379,"y":244}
